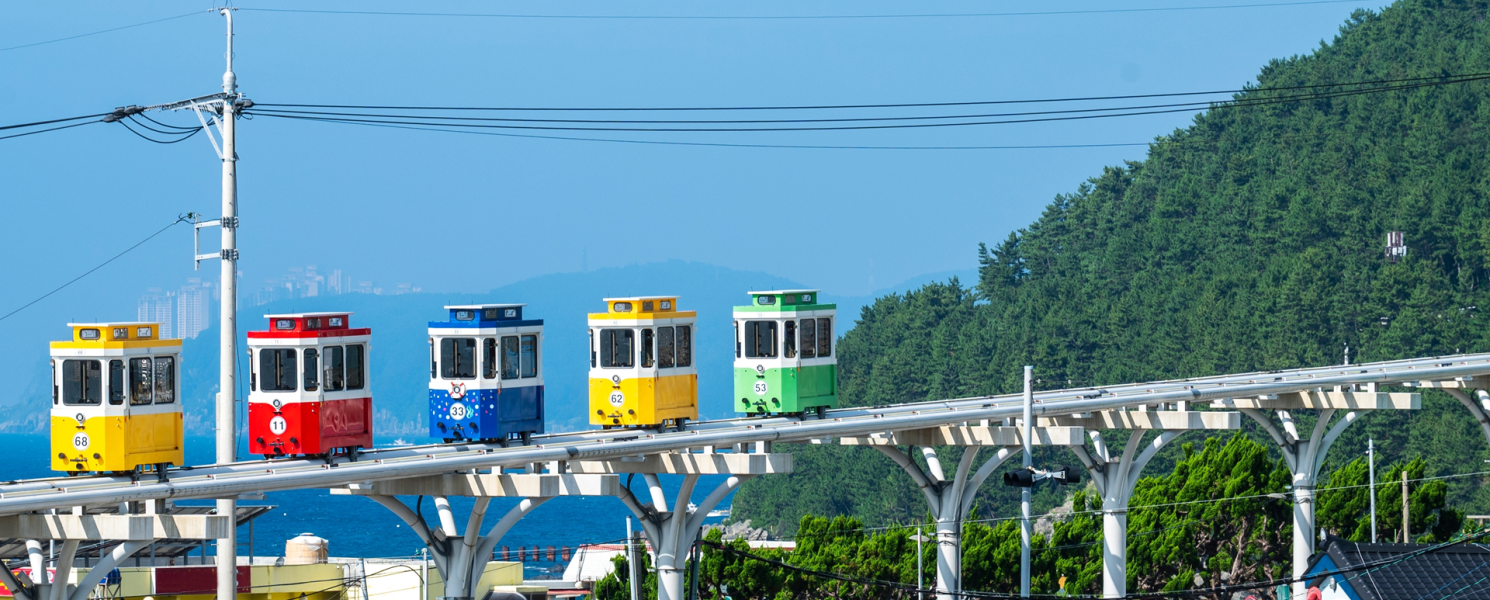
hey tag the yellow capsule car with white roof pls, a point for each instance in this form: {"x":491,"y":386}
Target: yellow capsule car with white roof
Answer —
{"x":641,"y":363}
{"x":115,"y":400}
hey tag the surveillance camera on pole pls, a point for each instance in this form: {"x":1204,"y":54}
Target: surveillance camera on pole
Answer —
{"x":1028,"y":477}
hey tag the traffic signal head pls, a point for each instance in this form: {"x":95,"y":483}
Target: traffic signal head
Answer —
{"x":1020,"y":478}
{"x":1073,"y":475}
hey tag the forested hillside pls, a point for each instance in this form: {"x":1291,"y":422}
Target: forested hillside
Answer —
{"x":1251,"y":240}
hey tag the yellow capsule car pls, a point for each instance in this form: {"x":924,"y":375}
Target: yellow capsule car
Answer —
{"x":641,"y":363}
{"x":115,"y":399}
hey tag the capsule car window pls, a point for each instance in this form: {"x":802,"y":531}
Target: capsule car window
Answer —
{"x":277,"y":369}
{"x":489,"y":358}
{"x":664,"y":347}
{"x":685,"y":346}
{"x":458,"y":358}
{"x":312,"y":366}
{"x":808,"y":333}
{"x":117,"y":390}
{"x":356,"y":367}
{"x":615,"y":348}
{"x":530,"y":356}
{"x":82,"y":382}
{"x":509,"y":357}
{"x":141,"y":381}
{"x":760,"y":339}
{"x":165,"y":379}
{"x":335,"y":369}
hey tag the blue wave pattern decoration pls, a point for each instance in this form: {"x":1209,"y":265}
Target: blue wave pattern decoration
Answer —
{"x":486,"y":414}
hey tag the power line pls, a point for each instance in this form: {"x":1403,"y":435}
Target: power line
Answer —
{"x":1132,"y":111}
{"x":147,"y":118}
{"x":83,"y":35}
{"x":799,"y":17}
{"x":49,"y":129}
{"x":899,"y":105}
{"x":458,"y":121}
{"x":49,"y":122}
{"x":1131,"y":509}
{"x":187,"y":134}
{"x":100,"y":266}
{"x":728,"y":145}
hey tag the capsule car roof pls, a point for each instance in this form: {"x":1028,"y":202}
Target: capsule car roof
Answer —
{"x":639,"y":298}
{"x":310,"y":314}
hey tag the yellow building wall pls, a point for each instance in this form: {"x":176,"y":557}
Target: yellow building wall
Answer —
{"x":324,"y":582}
{"x":287,"y":582}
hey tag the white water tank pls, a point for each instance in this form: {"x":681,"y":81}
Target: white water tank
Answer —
{"x":306,"y":549}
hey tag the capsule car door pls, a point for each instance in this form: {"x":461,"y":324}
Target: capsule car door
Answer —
{"x":152,"y":399}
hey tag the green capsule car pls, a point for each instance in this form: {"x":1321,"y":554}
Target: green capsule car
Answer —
{"x":784,"y":355}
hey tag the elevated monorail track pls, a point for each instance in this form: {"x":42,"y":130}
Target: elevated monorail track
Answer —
{"x":217,"y":481}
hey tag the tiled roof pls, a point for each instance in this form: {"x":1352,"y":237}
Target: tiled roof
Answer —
{"x":1457,"y":571}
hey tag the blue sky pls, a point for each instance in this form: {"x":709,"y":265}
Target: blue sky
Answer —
{"x":453,"y":213}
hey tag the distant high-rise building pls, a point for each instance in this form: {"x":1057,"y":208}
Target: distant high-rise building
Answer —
{"x":335,"y":284}
{"x":155,"y":306}
{"x":308,"y":282}
{"x":193,"y":310}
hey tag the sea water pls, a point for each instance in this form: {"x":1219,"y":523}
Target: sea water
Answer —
{"x":358,"y":527}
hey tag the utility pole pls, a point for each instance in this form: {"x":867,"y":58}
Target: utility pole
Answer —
{"x":632,"y":569}
{"x":1406,"y":526}
{"x":1371,"y":470}
{"x":920,"y":567}
{"x":227,"y":549}
{"x":698,"y":557}
{"x":1024,"y":493}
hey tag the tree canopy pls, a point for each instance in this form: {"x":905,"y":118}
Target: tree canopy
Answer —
{"x":1251,"y":240}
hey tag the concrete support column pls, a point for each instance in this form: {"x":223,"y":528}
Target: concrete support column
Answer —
{"x":38,"y":562}
{"x":1476,"y":409}
{"x":115,"y":558}
{"x":950,"y":499}
{"x":670,"y":574}
{"x":63,"y":570}
{"x":20,"y":590}
{"x":460,"y":558}
{"x":673,"y":532}
{"x":948,"y":559}
{"x":1115,"y":478}
{"x":1303,"y":533}
{"x":1304,"y":458}
{"x":1114,"y":549}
